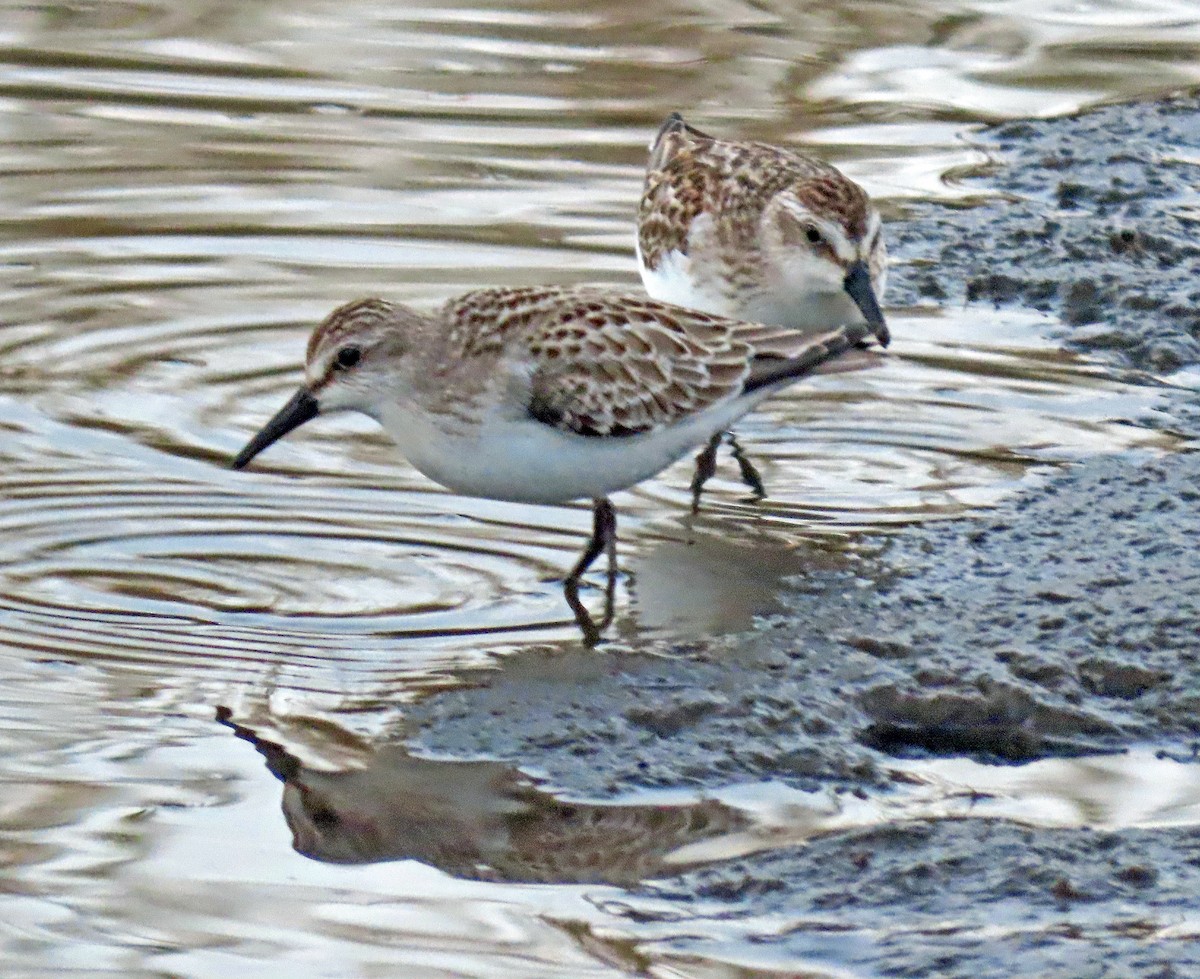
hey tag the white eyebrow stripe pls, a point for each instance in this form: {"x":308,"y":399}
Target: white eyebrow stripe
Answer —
{"x":835,"y":235}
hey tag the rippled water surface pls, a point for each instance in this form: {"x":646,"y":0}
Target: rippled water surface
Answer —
{"x":186,"y":188}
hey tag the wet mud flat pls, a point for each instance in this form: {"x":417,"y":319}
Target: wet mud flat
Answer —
{"x":1063,"y":624}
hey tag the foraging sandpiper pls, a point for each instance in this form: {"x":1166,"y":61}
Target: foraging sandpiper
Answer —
{"x":547,"y":395}
{"x":758,"y":233}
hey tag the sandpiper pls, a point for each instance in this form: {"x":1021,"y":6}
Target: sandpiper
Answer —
{"x":547,"y":395}
{"x":484,"y":820}
{"x":756,"y":232}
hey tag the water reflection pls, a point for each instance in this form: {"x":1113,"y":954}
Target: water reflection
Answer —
{"x":183,"y":185}
{"x":482,"y":820}
{"x":366,"y":802}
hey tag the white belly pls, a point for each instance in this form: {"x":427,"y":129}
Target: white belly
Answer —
{"x":674,"y":281}
{"x":526,"y":461}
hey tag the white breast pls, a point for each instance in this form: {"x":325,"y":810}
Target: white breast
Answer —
{"x":804,"y":293}
{"x":674,"y":281}
{"x":524,"y":460}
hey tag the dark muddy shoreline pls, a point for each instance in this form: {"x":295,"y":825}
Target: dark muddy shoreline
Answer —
{"x":1095,"y":221}
{"x":1065,"y":622}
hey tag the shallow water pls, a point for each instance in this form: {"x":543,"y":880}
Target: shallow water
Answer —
{"x":185,"y":191}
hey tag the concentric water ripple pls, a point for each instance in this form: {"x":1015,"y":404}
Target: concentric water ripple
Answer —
{"x":185,"y":189}
{"x":333,"y":535}
{"x":315,"y":564}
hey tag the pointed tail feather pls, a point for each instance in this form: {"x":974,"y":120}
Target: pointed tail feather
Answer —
{"x":663,"y":147}
{"x":672,"y":124}
{"x":667,"y":140}
{"x":769,"y":371}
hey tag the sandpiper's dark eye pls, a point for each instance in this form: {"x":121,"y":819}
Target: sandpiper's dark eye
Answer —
{"x":813,"y":235}
{"x":347,"y":357}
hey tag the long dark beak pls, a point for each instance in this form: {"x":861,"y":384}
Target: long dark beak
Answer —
{"x":295,"y":413}
{"x":858,"y":284}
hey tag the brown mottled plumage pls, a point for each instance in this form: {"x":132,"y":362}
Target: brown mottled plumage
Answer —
{"x":347,"y":320}
{"x":547,"y":395}
{"x":756,"y":232}
{"x":602,"y":364}
{"x":691,"y":173}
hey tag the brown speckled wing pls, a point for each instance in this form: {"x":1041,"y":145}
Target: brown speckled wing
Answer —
{"x":614,"y":365}
{"x":604,"y":364}
{"x":623,"y":365}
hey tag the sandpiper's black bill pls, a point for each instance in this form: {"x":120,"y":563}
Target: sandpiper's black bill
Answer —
{"x":295,"y":413}
{"x":858,"y":285}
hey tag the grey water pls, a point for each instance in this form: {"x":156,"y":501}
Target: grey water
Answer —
{"x":185,"y":189}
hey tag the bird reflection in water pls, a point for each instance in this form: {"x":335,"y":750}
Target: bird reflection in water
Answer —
{"x":485,"y":820}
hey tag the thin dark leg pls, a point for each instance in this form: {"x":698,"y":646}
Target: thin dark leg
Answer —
{"x":610,"y":544}
{"x":750,"y":474}
{"x":706,"y":466}
{"x":591,"y":629}
{"x":604,"y":538}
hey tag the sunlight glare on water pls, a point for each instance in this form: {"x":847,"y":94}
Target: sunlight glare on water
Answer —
{"x":185,"y":189}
